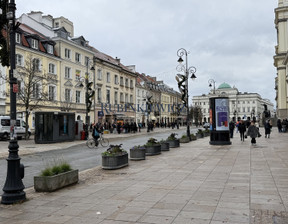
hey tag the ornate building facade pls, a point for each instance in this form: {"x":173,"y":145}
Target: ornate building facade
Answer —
{"x":281,"y":59}
{"x":242,"y":105}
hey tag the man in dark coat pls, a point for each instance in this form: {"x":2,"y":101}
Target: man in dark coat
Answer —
{"x":242,"y":129}
{"x":231,"y":128}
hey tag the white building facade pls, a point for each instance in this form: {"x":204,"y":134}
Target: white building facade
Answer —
{"x":242,"y":105}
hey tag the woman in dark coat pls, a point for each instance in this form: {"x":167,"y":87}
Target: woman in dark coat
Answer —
{"x":242,"y":129}
{"x":267,"y":127}
{"x":253,"y":132}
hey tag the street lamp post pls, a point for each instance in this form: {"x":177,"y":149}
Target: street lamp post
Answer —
{"x":148,"y":105}
{"x":89,"y":94}
{"x":13,"y":187}
{"x":210,"y":82}
{"x":187,"y":70}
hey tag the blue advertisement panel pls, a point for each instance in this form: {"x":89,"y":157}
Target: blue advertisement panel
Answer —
{"x":222,"y":114}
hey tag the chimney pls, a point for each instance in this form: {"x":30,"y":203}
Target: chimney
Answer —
{"x":118,"y":60}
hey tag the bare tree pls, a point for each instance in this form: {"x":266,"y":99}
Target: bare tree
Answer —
{"x":32,"y":87}
{"x":196,"y":114}
{"x":67,"y":105}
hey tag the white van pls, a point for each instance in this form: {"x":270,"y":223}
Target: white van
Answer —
{"x":19,"y":128}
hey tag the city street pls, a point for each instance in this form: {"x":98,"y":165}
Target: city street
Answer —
{"x":79,"y":156}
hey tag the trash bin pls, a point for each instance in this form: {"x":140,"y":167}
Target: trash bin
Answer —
{"x":83,"y":136}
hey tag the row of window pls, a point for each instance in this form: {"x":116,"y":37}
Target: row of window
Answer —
{"x":124,"y":98}
{"x":52,"y":69}
{"x":77,"y":56}
{"x":233,"y":102}
{"x":35,"y":43}
{"x":116,"y":79}
{"x":37,"y":65}
{"x":244,"y":110}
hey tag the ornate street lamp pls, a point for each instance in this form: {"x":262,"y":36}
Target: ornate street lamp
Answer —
{"x":183,"y":87}
{"x":13,"y":187}
{"x":89,"y":93}
{"x":148,"y":107}
{"x":210,"y":82}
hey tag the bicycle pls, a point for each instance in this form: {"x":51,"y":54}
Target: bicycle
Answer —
{"x":102,"y":141}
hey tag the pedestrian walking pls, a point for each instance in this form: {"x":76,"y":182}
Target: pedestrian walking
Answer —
{"x":231,"y":128}
{"x":267,"y":127}
{"x":242,"y":129}
{"x":279,"y":125}
{"x":253,"y":132}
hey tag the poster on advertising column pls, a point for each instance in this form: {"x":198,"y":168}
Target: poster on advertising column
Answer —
{"x":222,"y":113}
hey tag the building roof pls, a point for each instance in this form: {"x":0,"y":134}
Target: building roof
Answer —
{"x":224,"y":86}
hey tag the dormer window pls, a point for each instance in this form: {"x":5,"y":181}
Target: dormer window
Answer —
{"x":49,"y":49}
{"x":35,"y":44}
{"x":18,"y":38}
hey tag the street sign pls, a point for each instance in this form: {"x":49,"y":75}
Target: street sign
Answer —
{"x":15,"y":88}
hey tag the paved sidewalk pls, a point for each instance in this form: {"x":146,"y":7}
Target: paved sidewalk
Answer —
{"x":196,"y":183}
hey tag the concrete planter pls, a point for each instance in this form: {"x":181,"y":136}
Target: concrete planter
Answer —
{"x":198,"y":135}
{"x":193,"y":138}
{"x":165,"y":146}
{"x":206,"y":134}
{"x":114,"y":162}
{"x":138,"y":153}
{"x":153,"y":150}
{"x":184,"y":140}
{"x":174,"y":143}
{"x":53,"y":183}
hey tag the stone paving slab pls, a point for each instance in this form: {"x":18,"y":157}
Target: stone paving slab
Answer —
{"x":196,"y":183}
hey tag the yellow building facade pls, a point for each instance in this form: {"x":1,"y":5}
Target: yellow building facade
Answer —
{"x":281,"y":59}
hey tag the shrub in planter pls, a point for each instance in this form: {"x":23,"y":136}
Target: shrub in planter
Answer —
{"x":152,"y":147}
{"x":173,"y":141}
{"x":138,"y":153}
{"x":200,"y":133}
{"x":55,"y":177}
{"x":184,"y":139}
{"x":206,"y":132}
{"x":164,"y":145}
{"x":193,"y":137}
{"x":114,"y":158}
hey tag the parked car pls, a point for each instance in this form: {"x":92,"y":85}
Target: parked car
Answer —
{"x":206,"y":125}
{"x":19,"y":128}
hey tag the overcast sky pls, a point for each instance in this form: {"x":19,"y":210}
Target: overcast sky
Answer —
{"x":229,"y":41}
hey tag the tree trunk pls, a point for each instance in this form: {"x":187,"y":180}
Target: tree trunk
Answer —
{"x":27,"y":126}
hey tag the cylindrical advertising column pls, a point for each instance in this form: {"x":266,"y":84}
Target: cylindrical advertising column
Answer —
{"x":219,"y":121}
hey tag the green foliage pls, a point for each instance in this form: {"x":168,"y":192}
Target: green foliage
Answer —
{"x":162,"y":141}
{"x":56,"y":167}
{"x":200,"y":131}
{"x":137,"y":147}
{"x":151,"y":142}
{"x":114,"y":150}
{"x":184,"y":136}
{"x":172,"y":137}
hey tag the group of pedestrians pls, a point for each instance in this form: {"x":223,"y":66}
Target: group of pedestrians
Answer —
{"x":282,"y":125}
{"x":249,"y":128}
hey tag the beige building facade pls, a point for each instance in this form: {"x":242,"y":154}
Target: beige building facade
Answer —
{"x":281,"y":59}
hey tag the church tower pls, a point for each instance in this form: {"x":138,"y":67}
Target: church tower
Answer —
{"x":281,"y":58}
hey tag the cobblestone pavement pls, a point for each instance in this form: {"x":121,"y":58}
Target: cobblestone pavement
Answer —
{"x":196,"y":183}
